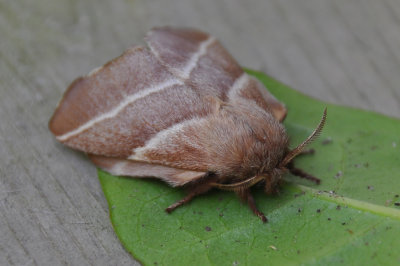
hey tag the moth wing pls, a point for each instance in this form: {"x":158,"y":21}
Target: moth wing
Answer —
{"x":201,"y":61}
{"x":148,"y":106}
{"x":249,"y":89}
{"x":123,"y":167}
{"x":120,"y":106}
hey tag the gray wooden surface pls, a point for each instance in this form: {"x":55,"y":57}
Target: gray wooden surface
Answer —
{"x":52,"y":209}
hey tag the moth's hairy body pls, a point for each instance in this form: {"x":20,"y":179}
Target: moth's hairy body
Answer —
{"x":253,"y":141}
{"x":234,"y":142}
{"x":182,"y":111}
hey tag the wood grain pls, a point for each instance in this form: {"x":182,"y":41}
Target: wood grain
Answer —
{"x":52,"y":210}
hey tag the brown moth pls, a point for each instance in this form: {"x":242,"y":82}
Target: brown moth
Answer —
{"x":182,"y":111}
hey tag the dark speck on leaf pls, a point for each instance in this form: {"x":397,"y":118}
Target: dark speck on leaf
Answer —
{"x":343,"y":223}
{"x":370,"y":187}
{"x":300,"y":194}
{"x":327,"y":141}
{"x":208,"y":229}
{"x":339,"y":174}
{"x":329,"y":218}
{"x":397,"y":203}
{"x":318,"y":210}
{"x":396,"y":196}
{"x":338,"y":207}
{"x":299,"y":210}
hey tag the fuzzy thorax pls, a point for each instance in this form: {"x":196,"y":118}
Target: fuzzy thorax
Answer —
{"x":245,"y":142}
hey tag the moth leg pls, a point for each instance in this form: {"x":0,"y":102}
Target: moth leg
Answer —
{"x":246,"y":196}
{"x":272,"y":186}
{"x":195,"y":191}
{"x":300,"y":173}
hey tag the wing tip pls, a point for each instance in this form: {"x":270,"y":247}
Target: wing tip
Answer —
{"x":57,"y":121}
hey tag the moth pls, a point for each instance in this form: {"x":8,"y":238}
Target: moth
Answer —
{"x":181,"y":110}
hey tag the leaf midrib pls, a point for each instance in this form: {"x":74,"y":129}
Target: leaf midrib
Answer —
{"x":356,"y":204}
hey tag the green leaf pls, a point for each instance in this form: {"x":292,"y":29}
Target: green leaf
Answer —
{"x":351,"y":218}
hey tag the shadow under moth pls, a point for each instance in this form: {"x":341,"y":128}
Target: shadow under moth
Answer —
{"x":181,"y":110}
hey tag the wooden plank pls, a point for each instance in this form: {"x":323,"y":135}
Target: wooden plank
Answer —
{"x":52,"y":210}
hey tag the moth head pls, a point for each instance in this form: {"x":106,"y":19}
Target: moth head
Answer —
{"x":272,"y":176}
